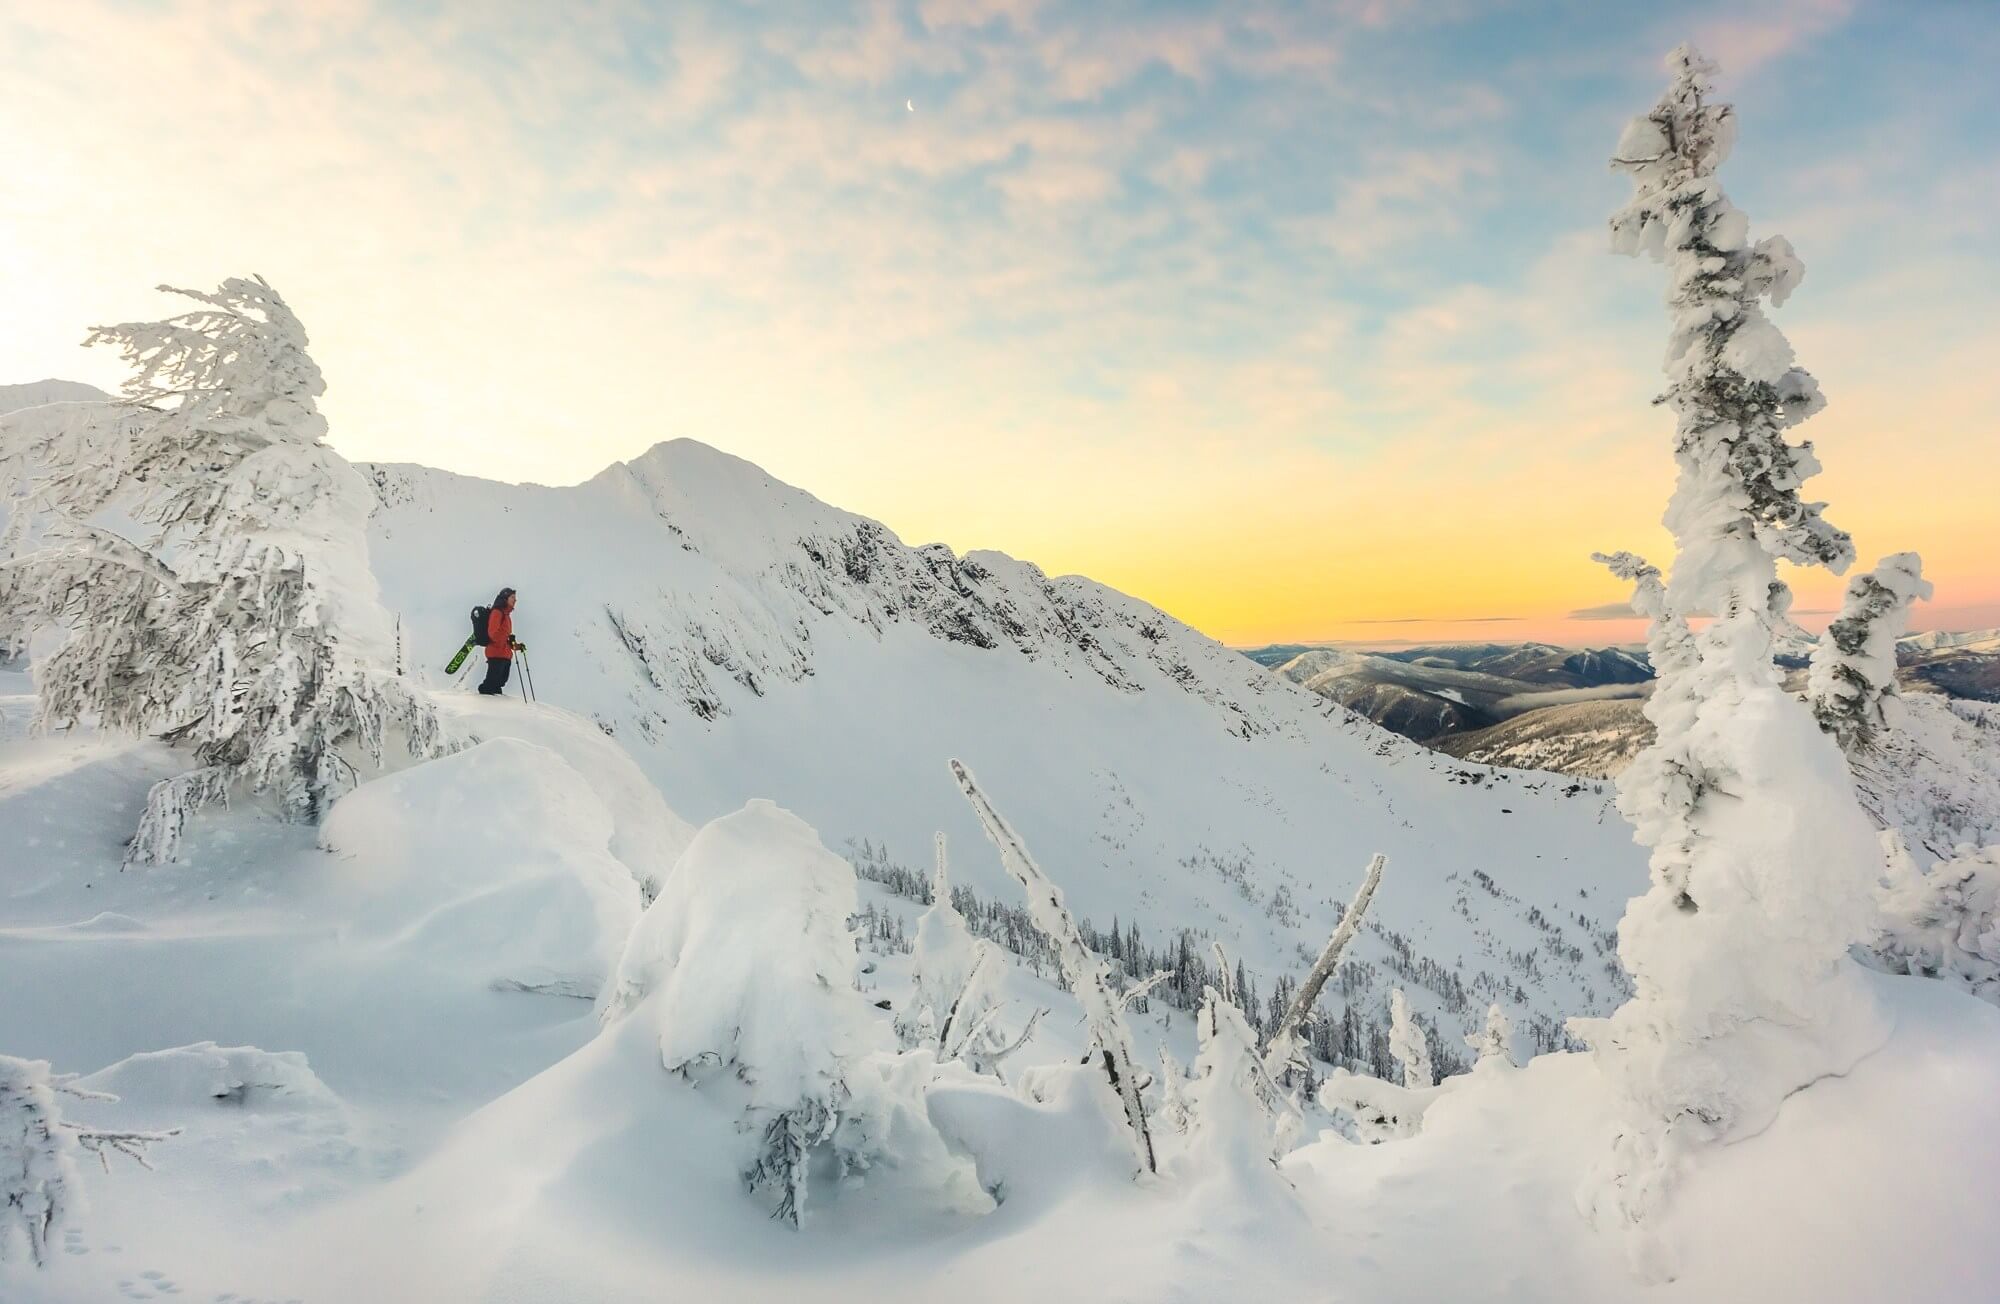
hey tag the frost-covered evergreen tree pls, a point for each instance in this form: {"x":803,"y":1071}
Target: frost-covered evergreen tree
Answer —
{"x":952,"y":1008}
{"x":1852,"y":684}
{"x":1762,"y":860}
{"x":943,"y":957}
{"x":247,"y":628}
{"x":1408,"y":1043}
{"x":1238,"y":1113}
{"x":1173,"y":1096}
{"x":38,"y":1176}
{"x":1944,"y":923}
{"x":1495,"y":1041}
{"x":746,"y":967}
{"x":39,"y":1185}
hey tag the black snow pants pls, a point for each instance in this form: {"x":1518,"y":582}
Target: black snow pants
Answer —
{"x":497,"y":670}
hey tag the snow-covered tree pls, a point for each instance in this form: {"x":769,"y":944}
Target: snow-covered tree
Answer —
{"x":1852,"y":684}
{"x":1762,"y":860}
{"x":952,"y":1008}
{"x":37,"y":1159}
{"x":1238,"y":1113}
{"x":1494,"y":1043}
{"x":942,"y":957}
{"x":1086,"y":972}
{"x":1408,"y":1044}
{"x":39,"y":1185}
{"x":247,"y":628}
{"x":746,"y":967}
{"x":1173,"y":1096}
{"x":1944,"y":923}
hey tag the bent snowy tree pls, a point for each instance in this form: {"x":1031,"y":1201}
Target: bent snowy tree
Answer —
{"x":247,"y":627}
{"x":1283,"y":1049}
{"x":1083,"y":969}
{"x":1762,"y":860}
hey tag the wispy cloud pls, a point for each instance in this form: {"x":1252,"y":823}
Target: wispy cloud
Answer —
{"x":1319,"y":280}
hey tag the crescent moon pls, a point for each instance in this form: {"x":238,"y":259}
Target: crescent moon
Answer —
{"x":911,"y":105}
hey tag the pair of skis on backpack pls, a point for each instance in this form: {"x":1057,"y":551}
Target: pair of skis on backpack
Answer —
{"x":478,"y":639}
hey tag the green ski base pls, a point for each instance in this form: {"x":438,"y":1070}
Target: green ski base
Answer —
{"x":451,"y":667}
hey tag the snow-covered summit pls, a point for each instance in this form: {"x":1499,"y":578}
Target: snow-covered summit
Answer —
{"x":744,"y":639}
{"x":1952,"y":640}
{"x":41,"y":393}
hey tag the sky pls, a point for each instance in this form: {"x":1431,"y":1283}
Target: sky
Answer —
{"x":1295,"y":319}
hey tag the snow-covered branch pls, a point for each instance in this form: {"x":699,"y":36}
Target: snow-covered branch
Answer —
{"x":1286,"y":1031}
{"x":38,"y":1150}
{"x":1084,"y":970}
{"x":1852,"y":684}
{"x":1139,"y":990}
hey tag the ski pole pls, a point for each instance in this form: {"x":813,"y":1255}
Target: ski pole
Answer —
{"x":528,"y":674}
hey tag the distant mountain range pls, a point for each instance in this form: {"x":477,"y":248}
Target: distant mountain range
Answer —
{"x":1580,"y":712}
{"x":1428,"y":693}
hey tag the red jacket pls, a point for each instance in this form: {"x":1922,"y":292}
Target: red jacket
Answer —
{"x":500,"y":634}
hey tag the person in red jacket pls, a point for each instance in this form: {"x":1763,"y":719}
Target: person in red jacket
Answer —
{"x":500,"y":644}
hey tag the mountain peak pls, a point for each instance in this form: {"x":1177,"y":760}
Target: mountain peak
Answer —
{"x":39,"y":393}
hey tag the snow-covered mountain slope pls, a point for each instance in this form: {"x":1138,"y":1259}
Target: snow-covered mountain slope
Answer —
{"x":1963,"y":665}
{"x":384,"y":1090}
{"x":1535,"y":663}
{"x":371,"y":1039}
{"x":743,"y":639}
{"x":1940,"y":640}
{"x":39,"y":393}
{"x":1432,"y":693}
{"x":1592,"y":740}
{"x":1935,"y":776}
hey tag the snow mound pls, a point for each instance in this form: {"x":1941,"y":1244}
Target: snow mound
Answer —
{"x":646,"y":834}
{"x":491,"y":864}
{"x":706,"y":949}
{"x":205,"y":1074}
{"x":260,"y":1123}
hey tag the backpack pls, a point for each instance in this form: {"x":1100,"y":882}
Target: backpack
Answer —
{"x":479,"y":617}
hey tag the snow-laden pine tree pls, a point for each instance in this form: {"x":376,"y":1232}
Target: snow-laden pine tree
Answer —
{"x":745,"y":965}
{"x":1239,"y":1117}
{"x":952,"y":1010}
{"x":1173,"y":1096}
{"x":1408,"y":1044}
{"x":1943,"y":923}
{"x":38,"y":1178}
{"x":1852,"y":683}
{"x":39,"y":1186}
{"x":1762,"y":861}
{"x":247,"y":627}
{"x":1494,"y":1043}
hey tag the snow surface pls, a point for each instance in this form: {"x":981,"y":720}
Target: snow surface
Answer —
{"x":744,"y":640}
{"x":384,"y":1040}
